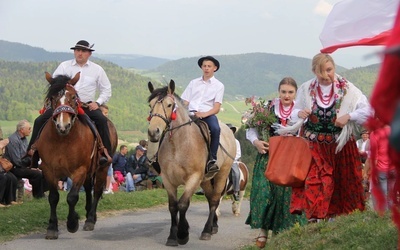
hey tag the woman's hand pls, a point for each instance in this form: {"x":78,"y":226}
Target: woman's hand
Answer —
{"x":342,"y":121}
{"x":262,"y":146}
{"x":303,"y":114}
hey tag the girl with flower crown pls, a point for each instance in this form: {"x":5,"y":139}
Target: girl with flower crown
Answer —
{"x":269,"y":203}
{"x":329,"y":110}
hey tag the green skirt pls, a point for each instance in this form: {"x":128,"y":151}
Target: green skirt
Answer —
{"x":269,"y":203}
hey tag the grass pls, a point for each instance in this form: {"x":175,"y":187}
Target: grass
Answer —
{"x":359,"y":230}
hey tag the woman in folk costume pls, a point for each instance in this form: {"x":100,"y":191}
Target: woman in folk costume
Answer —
{"x":328,"y":109}
{"x":269,"y":203}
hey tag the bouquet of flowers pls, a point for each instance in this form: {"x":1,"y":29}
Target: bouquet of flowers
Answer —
{"x":259,"y":116}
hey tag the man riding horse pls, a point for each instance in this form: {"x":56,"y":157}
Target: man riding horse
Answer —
{"x":92,"y":78}
{"x":204,"y":97}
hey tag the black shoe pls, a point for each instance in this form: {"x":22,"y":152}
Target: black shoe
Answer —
{"x":211,"y":169}
{"x":236,"y":196}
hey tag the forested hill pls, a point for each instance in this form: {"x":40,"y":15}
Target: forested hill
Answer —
{"x":11,"y":51}
{"x":23,"y":86}
{"x":257,"y":73}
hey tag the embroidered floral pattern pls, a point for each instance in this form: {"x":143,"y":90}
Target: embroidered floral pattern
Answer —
{"x":321,"y":124}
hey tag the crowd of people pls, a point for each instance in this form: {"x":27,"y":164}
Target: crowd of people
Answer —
{"x":133,"y":172}
{"x":326,"y":111}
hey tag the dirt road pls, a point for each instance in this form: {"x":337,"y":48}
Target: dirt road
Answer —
{"x":146,"y":229}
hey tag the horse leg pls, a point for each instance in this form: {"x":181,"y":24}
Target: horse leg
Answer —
{"x":218,"y":210}
{"x":173,"y":210}
{"x":183,"y":225}
{"x":52,"y":229}
{"x":73,"y":217}
{"x":99,"y":183}
{"x":90,"y":218}
{"x":211,"y":226}
{"x":234,"y":205}
{"x":239,"y":203}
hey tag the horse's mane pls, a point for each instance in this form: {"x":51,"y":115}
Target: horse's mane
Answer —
{"x":56,"y":85}
{"x":161,"y":93}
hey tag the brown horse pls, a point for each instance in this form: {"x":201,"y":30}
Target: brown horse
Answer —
{"x":244,"y":177}
{"x":182,"y":156}
{"x":68,"y":148}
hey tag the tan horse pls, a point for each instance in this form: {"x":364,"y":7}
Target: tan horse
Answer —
{"x":68,"y":148}
{"x":182,"y":156}
{"x":244,"y":177}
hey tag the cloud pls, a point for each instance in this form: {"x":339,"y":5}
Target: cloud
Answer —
{"x":322,"y":8}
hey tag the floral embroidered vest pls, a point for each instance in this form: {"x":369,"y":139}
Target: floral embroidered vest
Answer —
{"x":320,"y":125}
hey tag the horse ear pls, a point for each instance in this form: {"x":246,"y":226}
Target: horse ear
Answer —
{"x":48,"y":77}
{"x":171,"y":87}
{"x":74,"y":80}
{"x":151,"y":87}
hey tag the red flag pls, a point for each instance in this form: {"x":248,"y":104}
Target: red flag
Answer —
{"x":386,"y":94}
{"x":358,"y":22}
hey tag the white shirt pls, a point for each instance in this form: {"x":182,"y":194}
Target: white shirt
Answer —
{"x":202,"y":95}
{"x":92,"y":78}
{"x":238,"y":151}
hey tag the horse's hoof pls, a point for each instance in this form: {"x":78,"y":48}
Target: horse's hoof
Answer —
{"x":214,"y":230}
{"x":171,"y":243}
{"x":51,"y":235}
{"x":237,"y":214}
{"x":205,"y":236}
{"x":72,"y":227}
{"x":89,"y":226}
{"x":183,"y":241}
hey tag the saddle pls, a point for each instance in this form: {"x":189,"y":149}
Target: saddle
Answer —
{"x":205,"y":132}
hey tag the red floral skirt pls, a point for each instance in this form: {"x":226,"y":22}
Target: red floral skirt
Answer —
{"x":334,"y":184}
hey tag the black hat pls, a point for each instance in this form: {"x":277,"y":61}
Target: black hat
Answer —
{"x":210,"y":58}
{"x":83,"y":45}
{"x":233,"y":128}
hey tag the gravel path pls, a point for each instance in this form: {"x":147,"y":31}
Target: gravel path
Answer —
{"x":147,"y":229}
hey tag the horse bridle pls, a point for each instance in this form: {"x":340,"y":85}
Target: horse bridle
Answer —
{"x":66,"y":108}
{"x":164,"y":117}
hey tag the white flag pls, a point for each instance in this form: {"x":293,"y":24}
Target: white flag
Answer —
{"x":358,"y":22}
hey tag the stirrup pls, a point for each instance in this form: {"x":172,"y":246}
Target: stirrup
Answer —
{"x":211,"y":169}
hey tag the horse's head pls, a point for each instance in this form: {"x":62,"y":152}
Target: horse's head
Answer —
{"x":163,"y":107}
{"x":64,"y":101}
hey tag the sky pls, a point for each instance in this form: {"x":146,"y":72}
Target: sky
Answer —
{"x":176,"y":29}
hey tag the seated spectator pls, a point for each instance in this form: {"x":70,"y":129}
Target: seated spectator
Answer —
{"x":119,"y":160}
{"x":15,"y":151}
{"x":8,"y":182}
{"x":136,"y":168}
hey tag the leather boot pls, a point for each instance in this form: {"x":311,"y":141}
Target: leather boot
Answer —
{"x":104,"y":157}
